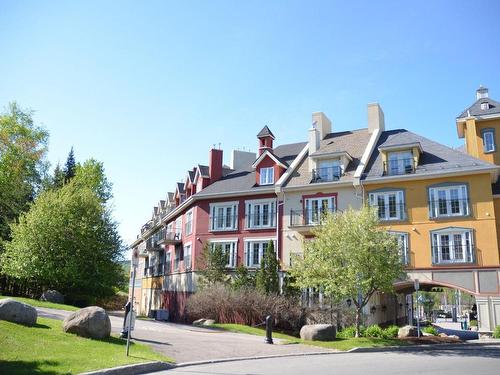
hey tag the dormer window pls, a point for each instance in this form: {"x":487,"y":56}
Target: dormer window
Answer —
{"x":485,"y":106}
{"x":400,"y":162}
{"x":489,"y":140}
{"x":267,"y":176}
{"x":328,"y":170}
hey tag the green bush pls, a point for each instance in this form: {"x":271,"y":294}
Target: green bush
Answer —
{"x":433,"y":331}
{"x":374,"y":331}
{"x":496,"y":333}
{"x":473,"y":323}
{"x":350,"y":332}
{"x":390,"y":332}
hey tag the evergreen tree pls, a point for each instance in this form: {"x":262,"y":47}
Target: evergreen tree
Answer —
{"x":212,"y":264}
{"x":266,"y":280}
{"x":243,"y":279}
{"x":70,"y":166}
{"x":58,"y":178}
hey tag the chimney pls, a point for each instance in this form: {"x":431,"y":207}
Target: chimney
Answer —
{"x":376,"y":118}
{"x":215,"y":165}
{"x":481,"y":92}
{"x":241,"y":159}
{"x":323,"y":124}
{"x":313,"y":138}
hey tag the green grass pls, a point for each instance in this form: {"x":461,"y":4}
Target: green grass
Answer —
{"x":38,"y":303}
{"x":47,"y":349}
{"x":339,"y":344}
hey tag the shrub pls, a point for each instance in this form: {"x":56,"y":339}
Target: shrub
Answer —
{"x":433,"y":331}
{"x":390,"y":332}
{"x":473,"y":323}
{"x":373,"y":331}
{"x":496,"y":333}
{"x":350,"y":332}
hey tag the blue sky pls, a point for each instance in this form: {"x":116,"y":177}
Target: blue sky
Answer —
{"x":148,"y":86}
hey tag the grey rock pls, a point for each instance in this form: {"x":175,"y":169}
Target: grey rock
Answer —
{"x":17,"y":312}
{"x":208,"y":322}
{"x":408,"y":331}
{"x":52,"y":296}
{"x":318,"y":332}
{"x":199,"y":322}
{"x":91,"y":322}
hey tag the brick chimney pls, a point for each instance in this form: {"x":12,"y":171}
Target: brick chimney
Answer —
{"x":215,"y":164}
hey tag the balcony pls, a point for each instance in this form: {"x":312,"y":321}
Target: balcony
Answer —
{"x":261,"y":220}
{"x":151,"y":245}
{"x":390,"y":211}
{"x":399,"y":167}
{"x":452,"y":254}
{"x":168,"y":237}
{"x":148,"y":271}
{"x":326,"y":174}
{"x":223,"y":223}
{"x":158,"y":270}
{"x":443,"y":208}
{"x":303,"y":220}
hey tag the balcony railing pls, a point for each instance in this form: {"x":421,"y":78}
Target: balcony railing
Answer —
{"x":309,"y":217}
{"x":223,"y":222}
{"x":326,"y":174}
{"x":391,"y":211}
{"x":148,"y":271}
{"x":453,"y":254}
{"x":264,"y":219}
{"x":399,"y":167}
{"x":167,"y":236}
{"x":449,"y":207}
{"x":158,"y":269}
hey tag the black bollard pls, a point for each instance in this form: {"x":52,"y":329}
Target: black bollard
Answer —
{"x":124,"y":330}
{"x":269,"y":329}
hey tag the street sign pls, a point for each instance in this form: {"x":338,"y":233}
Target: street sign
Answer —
{"x":135,"y":257}
{"x":129,"y":323}
{"x":417,"y":284}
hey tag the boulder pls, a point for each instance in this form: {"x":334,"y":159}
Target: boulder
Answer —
{"x":442,"y":334}
{"x":90,"y":322}
{"x":318,"y":332}
{"x":17,"y":312}
{"x":52,"y":296}
{"x":199,"y":322}
{"x":408,"y":331}
{"x":208,"y":322}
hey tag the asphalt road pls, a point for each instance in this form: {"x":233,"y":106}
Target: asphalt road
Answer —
{"x":456,"y":360}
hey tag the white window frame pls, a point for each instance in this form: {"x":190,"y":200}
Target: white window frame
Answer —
{"x":188,"y":225}
{"x":387,"y":214}
{"x":233,"y":249}
{"x":485,"y":106}
{"x":489,"y":133}
{"x":253,"y":252}
{"x":314,"y":209}
{"x":401,"y":160}
{"x":459,"y":241}
{"x":255,"y":214}
{"x":447,"y":193}
{"x":327,"y":169}
{"x":215,"y":222}
{"x":266,"y":176}
{"x":404,"y":245}
{"x":187,"y":252}
{"x":178,"y":226}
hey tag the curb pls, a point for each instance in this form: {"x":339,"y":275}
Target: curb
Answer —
{"x":419,"y":348}
{"x":136,"y":369}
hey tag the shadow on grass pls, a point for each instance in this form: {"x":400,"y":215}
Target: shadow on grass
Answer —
{"x":43,"y":326}
{"x":27,"y":367}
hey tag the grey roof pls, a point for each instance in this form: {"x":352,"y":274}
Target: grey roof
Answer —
{"x":244,"y":179}
{"x":180,"y":187}
{"x":435,"y":156}
{"x":265,"y":132}
{"x":170,"y":196}
{"x":191,"y":174}
{"x":475,"y":109}
{"x":353,"y":142}
{"x":204,"y":171}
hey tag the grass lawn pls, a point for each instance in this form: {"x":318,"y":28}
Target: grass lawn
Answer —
{"x":339,"y":344}
{"x":38,"y":303}
{"x":46,"y":349}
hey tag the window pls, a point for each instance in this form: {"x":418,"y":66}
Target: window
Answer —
{"x":489,"y":140}
{"x":403,"y":246}
{"x":187,"y":257}
{"x":267,"y":176}
{"x":400,"y":162}
{"x":485,"y":106}
{"x":261,"y":214}
{"x":168,"y":263}
{"x":224,"y":216}
{"x":254,"y":251}
{"x":188,"y":228}
{"x":316,"y":208}
{"x":178,"y":227}
{"x":328,"y":170}
{"x":448,"y":201}
{"x":230,"y":248}
{"x":452,"y":245}
{"x":390,"y":204}
{"x":177,"y":259}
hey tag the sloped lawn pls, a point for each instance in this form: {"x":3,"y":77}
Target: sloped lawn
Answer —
{"x":46,"y":349}
{"x":38,"y":303}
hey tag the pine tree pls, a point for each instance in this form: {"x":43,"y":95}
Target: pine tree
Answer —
{"x":267,"y":280}
{"x":243,"y":279}
{"x":58,"y":178}
{"x":69,"y":167}
{"x":212,"y":264}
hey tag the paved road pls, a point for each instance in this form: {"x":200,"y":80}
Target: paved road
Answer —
{"x":456,"y":360}
{"x":187,"y":343}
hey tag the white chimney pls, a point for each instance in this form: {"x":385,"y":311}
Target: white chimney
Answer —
{"x":481,"y":92}
{"x":241,"y":159}
{"x":323,"y":124}
{"x":376,"y":118}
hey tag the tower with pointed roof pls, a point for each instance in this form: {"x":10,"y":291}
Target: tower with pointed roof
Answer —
{"x":266,"y":138}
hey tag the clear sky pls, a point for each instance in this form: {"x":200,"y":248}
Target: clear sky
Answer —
{"x":148,"y":86}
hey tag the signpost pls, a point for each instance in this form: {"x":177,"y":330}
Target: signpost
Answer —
{"x":417,"y":287}
{"x":131,"y":315}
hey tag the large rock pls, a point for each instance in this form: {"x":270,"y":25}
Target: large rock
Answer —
{"x":52,"y":296}
{"x":408,"y":331}
{"x":318,"y":332}
{"x":90,"y":322}
{"x":17,"y":312}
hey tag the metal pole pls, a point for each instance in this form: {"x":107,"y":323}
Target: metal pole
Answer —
{"x":129,"y":323}
{"x":418,"y":317}
{"x":269,"y":329}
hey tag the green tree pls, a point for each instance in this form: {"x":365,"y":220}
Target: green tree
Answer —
{"x":70,"y":166}
{"x":212,"y":265}
{"x":243,"y":279}
{"x":350,"y":257}
{"x":58,"y":177}
{"x":67,"y":241}
{"x":266,"y":279}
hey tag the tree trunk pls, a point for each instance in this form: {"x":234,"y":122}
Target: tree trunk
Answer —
{"x":358,"y":320}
